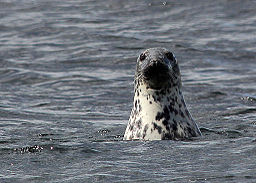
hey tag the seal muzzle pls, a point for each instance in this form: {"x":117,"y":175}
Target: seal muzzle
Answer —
{"x":156,"y":74}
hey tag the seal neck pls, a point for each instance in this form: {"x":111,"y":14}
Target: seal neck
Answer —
{"x":167,"y":95}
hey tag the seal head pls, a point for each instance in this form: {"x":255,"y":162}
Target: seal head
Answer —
{"x":158,"y":68}
{"x":159,"y":111}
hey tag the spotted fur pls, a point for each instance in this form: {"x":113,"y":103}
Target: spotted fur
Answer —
{"x":159,"y":111}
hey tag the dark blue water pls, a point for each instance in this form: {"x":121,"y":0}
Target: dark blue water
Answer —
{"x":66,"y":90}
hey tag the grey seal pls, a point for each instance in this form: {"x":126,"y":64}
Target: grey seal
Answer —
{"x":159,"y":110}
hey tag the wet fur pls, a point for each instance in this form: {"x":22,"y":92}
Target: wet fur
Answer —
{"x":159,"y":114}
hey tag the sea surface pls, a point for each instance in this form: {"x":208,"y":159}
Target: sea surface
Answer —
{"x":66,"y":90}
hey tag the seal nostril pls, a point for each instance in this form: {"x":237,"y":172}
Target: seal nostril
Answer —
{"x":159,"y":66}
{"x":156,"y":63}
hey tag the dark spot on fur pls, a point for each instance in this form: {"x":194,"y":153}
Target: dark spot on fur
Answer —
{"x":182,"y":114}
{"x":167,"y":136}
{"x":135,"y":83}
{"x":133,"y":114}
{"x":150,"y":102}
{"x":139,"y":123}
{"x":131,"y":127}
{"x":162,"y":92}
{"x":145,"y":131}
{"x":166,"y":124}
{"x":176,"y":111}
{"x":159,"y":128}
{"x":138,"y":101}
{"x":174,"y":125}
{"x":138,"y":135}
{"x":172,"y":101}
{"x":171,"y":108}
{"x":159,"y":116}
{"x":165,"y":114}
{"x":190,"y":131}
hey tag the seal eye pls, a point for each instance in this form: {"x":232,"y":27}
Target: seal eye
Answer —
{"x":142,"y":57}
{"x":170,"y":56}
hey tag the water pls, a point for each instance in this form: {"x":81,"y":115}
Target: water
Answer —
{"x":66,"y":83}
